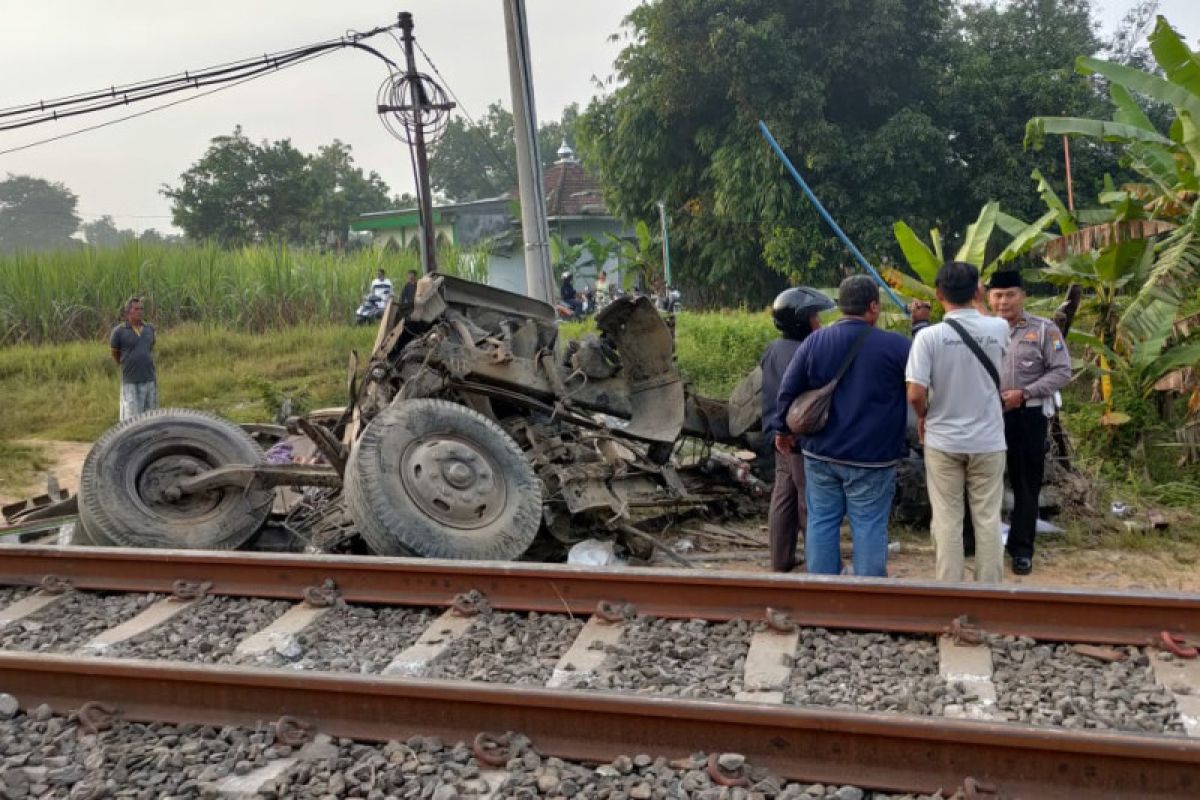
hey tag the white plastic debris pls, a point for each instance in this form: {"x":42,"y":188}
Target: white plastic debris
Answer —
{"x":593,"y":553}
{"x":1047,"y":527}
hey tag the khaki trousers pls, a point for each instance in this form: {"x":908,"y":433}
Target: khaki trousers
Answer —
{"x":982,"y":474}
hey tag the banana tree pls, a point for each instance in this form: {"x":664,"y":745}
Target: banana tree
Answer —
{"x":638,"y":259}
{"x":924,"y":259}
{"x":1167,"y":163}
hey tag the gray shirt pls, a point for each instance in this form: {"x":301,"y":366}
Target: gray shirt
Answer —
{"x":965,"y":415}
{"x":137,"y":356}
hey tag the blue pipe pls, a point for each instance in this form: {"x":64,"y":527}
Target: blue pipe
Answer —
{"x":787,"y":162}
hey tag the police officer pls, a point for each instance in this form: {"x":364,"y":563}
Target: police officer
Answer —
{"x":795,"y":315}
{"x":1035,"y":367}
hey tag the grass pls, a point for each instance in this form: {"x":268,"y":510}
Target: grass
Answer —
{"x":69,"y":391}
{"x":19,"y":461}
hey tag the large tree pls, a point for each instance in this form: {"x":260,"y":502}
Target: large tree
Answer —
{"x":103,"y":232}
{"x":1008,"y":63}
{"x":472,"y":162}
{"x":36,"y":214}
{"x":241,"y":192}
{"x":847,"y":86}
{"x":892,"y":109}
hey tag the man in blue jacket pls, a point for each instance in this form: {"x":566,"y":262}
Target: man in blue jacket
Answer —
{"x":850,"y":465}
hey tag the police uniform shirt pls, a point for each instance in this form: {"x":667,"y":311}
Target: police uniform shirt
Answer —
{"x":1037,"y":360}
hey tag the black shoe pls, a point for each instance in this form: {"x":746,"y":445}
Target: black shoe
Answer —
{"x":1022,"y":566}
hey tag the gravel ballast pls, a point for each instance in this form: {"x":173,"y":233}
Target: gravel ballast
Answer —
{"x":43,"y":755}
{"x":508,"y":648}
{"x":1046,"y":683}
{"x":11,"y":594}
{"x":351,"y":638}
{"x":70,"y":623}
{"x":684,"y":658}
{"x":206,"y":633}
{"x":868,"y":672}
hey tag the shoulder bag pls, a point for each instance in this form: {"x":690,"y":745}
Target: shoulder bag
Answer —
{"x":809,"y":412}
{"x":970,"y":342}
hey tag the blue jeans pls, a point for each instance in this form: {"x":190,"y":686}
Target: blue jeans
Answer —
{"x":865,"y":496}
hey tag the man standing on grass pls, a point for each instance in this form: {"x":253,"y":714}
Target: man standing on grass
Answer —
{"x":1036,"y":366}
{"x":132,"y":346}
{"x":954,"y":387}
{"x":408,"y":292}
{"x":850,"y":464}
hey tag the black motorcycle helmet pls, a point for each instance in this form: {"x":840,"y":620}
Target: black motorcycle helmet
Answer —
{"x":793,"y":308}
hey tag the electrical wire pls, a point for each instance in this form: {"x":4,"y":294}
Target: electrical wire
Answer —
{"x":232,"y":72}
{"x":147,"y":111}
{"x":475,"y":126}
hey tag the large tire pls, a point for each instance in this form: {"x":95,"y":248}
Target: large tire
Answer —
{"x":436,"y":479}
{"x":123,"y":477}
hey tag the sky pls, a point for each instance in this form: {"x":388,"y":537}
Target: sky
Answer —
{"x":53,"y":48}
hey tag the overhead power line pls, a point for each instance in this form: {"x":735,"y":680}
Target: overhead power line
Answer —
{"x":222,"y":76}
{"x":144,"y":112}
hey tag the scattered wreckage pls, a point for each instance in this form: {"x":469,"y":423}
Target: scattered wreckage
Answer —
{"x":471,"y":429}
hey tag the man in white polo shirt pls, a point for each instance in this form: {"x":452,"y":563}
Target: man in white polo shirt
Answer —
{"x":953,"y":377}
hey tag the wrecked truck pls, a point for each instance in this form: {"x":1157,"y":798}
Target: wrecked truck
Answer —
{"x":471,"y":429}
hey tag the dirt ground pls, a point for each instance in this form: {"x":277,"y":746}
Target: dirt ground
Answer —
{"x":67,"y":458}
{"x":1167,"y":565}
{"x":1175,"y":566}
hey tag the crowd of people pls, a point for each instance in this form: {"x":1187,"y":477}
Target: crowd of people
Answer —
{"x":980,"y":385}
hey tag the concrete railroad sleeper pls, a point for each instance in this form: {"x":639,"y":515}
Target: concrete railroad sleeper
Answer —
{"x":1126,"y":617}
{"x":878,"y":750}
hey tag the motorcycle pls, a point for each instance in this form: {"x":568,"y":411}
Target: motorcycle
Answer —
{"x":670,"y":303}
{"x":371,"y":309}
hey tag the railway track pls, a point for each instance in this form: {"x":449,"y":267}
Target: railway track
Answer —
{"x":886,"y":686}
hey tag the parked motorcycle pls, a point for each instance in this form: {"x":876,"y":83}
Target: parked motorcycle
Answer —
{"x":670,"y":303}
{"x":371,"y":309}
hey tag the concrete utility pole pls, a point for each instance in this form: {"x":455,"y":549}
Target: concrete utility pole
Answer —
{"x":539,"y":280}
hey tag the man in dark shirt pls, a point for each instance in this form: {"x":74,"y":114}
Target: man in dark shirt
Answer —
{"x":408,"y":293}
{"x":132,"y":344}
{"x":850,"y":465}
{"x":569,"y":295}
{"x":794,"y":313}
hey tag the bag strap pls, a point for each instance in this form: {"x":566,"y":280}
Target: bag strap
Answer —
{"x":970,"y":342}
{"x":858,"y":343}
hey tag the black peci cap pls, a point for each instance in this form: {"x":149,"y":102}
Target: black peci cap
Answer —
{"x":1006,"y":279}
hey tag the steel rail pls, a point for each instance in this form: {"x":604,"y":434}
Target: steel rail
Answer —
{"x":873,"y":750}
{"x":1126,"y":617}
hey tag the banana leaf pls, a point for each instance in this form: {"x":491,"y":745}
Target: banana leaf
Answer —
{"x":1128,"y":111}
{"x":974,"y":246}
{"x":1066,"y":223}
{"x":1163,"y":90}
{"x":1180,"y":355}
{"x":1026,"y":239}
{"x":907,"y":285}
{"x":1178,"y":62}
{"x":1098,"y":237}
{"x":919,"y":257}
{"x":1039,"y":127}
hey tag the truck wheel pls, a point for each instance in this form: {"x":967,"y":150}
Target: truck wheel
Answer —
{"x":121,"y":486}
{"x":439,"y":480}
